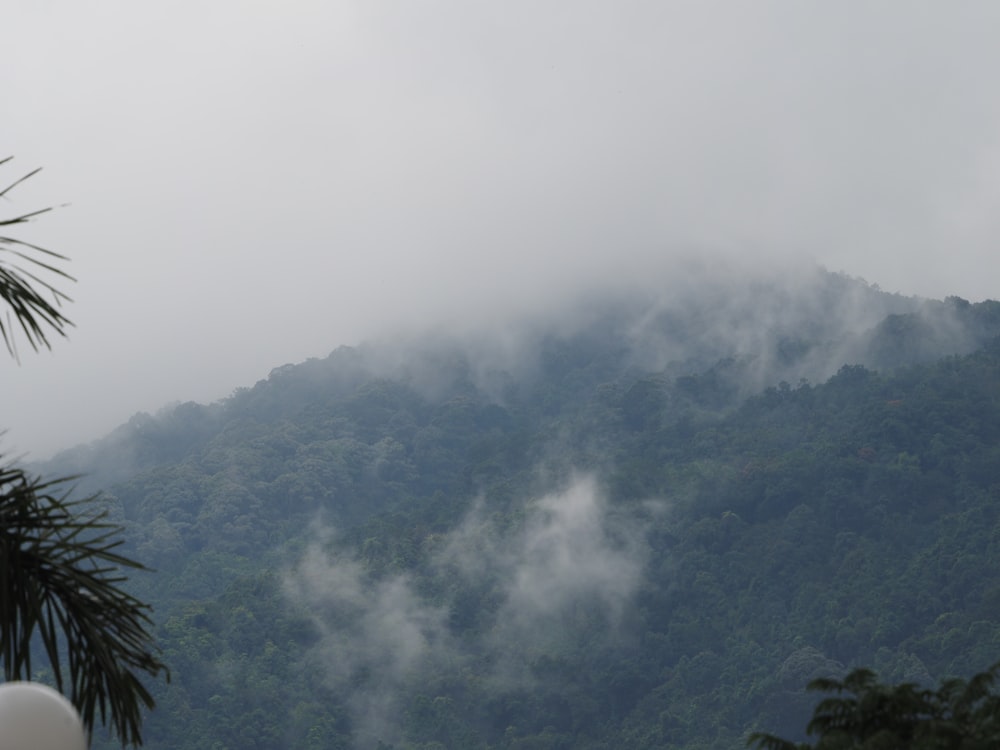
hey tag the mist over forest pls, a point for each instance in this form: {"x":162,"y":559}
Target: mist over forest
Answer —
{"x":645,"y":517}
{"x":510,"y":376}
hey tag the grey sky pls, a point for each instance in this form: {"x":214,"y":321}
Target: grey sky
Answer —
{"x":254,"y":183}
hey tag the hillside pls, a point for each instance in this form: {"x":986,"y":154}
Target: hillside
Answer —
{"x":643,"y":523}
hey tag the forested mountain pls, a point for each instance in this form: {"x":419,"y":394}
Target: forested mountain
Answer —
{"x":645,"y":522}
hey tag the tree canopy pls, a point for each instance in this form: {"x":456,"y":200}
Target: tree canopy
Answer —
{"x":864,"y":714}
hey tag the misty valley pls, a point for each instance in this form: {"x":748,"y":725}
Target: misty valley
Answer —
{"x":647,"y":520}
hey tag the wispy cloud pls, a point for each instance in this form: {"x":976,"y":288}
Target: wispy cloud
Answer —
{"x":572,"y":565}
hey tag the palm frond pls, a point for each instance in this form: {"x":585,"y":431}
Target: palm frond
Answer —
{"x":60,"y":583}
{"x":32,"y":302}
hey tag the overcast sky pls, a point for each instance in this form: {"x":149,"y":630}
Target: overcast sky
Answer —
{"x":254,"y":183}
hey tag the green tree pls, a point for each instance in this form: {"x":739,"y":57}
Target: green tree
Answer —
{"x":60,"y":574}
{"x":864,"y":714}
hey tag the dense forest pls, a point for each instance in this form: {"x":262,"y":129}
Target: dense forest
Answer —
{"x":646,"y":525}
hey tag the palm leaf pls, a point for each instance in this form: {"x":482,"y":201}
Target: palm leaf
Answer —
{"x":32,"y":302}
{"x":60,"y":585}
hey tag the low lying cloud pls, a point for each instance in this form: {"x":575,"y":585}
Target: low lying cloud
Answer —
{"x":374,"y":635}
{"x":573,"y":553}
{"x":570,"y":568}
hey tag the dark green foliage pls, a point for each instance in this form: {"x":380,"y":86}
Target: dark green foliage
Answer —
{"x":60,"y":580}
{"x":959,"y":715}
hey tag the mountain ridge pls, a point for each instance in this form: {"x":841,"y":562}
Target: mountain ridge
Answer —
{"x":641,"y":325}
{"x":618,"y":539}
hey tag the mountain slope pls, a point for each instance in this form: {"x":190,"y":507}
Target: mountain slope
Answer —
{"x":620,"y":529}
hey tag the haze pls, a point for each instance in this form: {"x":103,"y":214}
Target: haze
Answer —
{"x":254,"y":183}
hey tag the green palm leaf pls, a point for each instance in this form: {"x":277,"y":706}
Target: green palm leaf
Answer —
{"x":33,"y":303}
{"x":60,"y":576}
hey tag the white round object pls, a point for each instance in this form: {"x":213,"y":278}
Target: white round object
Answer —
{"x":36,"y":717}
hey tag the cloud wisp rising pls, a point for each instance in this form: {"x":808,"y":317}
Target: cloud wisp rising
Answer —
{"x":572,"y":565}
